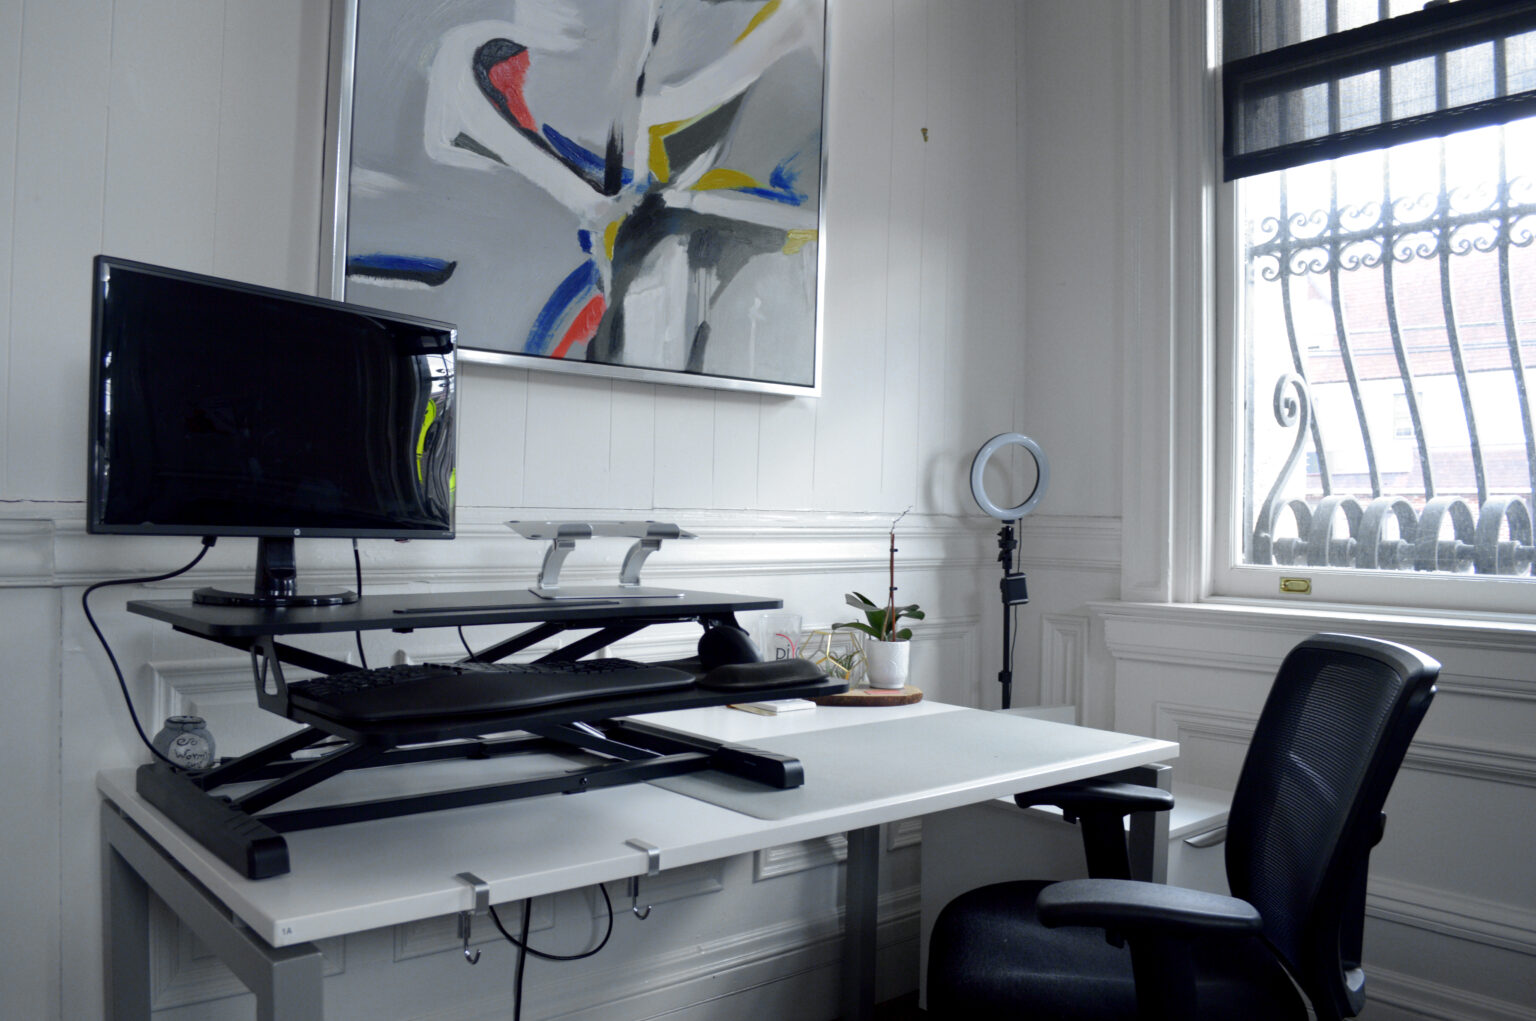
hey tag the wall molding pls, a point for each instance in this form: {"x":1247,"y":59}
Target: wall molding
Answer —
{"x":26,"y":551}
{"x":1395,"y":996}
{"x":671,"y":885}
{"x":800,"y":856}
{"x":1473,"y":760}
{"x":1060,"y":542}
{"x":1063,"y":651}
{"x":803,"y":855}
{"x":955,"y":640}
{"x":1486,"y":660}
{"x":1497,"y":924}
{"x":904,"y":833}
{"x":734,"y":965}
{"x":180,"y":685}
{"x":1149,"y":631}
{"x":57,"y":551}
{"x":183,"y":972}
{"x":439,"y":935}
{"x":44,"y":550}
{"x":1465,"y":759}
{"x":1173,"y":721}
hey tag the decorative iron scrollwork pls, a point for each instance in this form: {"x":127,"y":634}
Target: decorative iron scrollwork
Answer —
{"x":1388,"y":533}
{"x":1290,"y":410}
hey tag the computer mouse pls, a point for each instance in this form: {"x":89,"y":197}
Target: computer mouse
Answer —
{"x":724,"y":644}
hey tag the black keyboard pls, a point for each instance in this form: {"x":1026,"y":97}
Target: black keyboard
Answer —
{"x":452,"y":690}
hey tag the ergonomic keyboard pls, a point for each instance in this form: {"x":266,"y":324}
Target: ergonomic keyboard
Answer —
{"x":449,"y":690}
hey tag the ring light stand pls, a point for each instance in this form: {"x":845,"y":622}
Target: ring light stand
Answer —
{"x":1014,"y":590}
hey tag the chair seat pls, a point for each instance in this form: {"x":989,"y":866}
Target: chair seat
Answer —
{"x":989,"y":957}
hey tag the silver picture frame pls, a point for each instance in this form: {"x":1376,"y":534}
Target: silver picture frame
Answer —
{"x":689,"y":241}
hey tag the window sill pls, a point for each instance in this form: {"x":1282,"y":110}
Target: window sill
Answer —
{"x":1514,"y":633}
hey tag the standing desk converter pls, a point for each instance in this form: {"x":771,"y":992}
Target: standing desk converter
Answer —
{"x":230,"y":808}
{"x":864,"y":767}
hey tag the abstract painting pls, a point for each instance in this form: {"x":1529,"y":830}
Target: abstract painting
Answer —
{"x":622,"y":187}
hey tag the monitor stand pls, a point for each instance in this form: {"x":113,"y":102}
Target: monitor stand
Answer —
{"x":562,"y":537}
{"x":276,"y":582}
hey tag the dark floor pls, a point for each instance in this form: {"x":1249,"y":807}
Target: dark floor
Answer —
{"x":903,"y":1008}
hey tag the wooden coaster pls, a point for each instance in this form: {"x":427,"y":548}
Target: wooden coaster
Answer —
{"x":873,"y":696}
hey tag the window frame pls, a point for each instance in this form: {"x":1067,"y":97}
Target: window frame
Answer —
{"x":1224,"y":577}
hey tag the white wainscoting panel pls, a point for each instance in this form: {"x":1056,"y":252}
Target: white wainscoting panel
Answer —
{"x":1063,"y":648}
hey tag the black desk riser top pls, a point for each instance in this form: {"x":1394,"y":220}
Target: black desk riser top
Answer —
{"x":438,"y":609}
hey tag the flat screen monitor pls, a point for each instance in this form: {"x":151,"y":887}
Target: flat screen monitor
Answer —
{"x":221,"y":408}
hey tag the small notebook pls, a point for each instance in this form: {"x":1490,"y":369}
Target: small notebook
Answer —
{"x":773,"y":707}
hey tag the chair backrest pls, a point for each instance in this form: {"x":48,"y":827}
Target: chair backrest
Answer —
{"x":1307,"y":808}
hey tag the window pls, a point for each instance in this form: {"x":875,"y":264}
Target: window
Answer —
{"x":1384,"y":301}
{"x":1402,"y":415}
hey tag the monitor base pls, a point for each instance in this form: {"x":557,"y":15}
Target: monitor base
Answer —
{"x":275,"y":586}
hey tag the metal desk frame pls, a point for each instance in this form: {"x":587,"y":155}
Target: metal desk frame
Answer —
{"x":287,"y":980}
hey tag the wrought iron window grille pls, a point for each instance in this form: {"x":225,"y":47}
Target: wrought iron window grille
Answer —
{"x":1450,"y":511}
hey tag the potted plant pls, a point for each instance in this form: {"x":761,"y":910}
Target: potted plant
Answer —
{"x":885,"y":645}
{"x":886,"y":652}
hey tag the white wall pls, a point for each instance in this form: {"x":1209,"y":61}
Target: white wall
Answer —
{"x":188,"y":133}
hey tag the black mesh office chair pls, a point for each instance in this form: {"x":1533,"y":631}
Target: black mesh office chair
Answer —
{"x":1305,"y":814}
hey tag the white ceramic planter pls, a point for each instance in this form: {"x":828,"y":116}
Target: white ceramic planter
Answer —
{"x":887,"y":663}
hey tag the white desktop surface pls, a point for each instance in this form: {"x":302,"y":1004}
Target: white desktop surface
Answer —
{"x":863,"y":767}
{"x":909,"y":763}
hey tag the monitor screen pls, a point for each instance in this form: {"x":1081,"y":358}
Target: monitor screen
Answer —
{"x":225,"y":409}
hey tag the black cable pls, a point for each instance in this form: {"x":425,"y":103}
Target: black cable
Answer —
{"x":1006,"y":545}
{"x":465,"y":642}
{"x":1013,"y":638}
{"x":122,"y":683}
{"x":357,"y":567}
{"x":523,"y":943}
{"x":523,"y":949}
{"x":1018,"y":566}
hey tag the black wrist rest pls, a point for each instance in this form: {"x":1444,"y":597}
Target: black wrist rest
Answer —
{"x":781,"y":673}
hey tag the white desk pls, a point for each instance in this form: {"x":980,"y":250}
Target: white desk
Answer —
{"x":863,"y":767}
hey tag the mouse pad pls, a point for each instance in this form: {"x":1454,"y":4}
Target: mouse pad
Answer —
{"x":853,"y":766}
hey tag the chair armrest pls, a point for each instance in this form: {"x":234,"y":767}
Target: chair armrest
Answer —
{"x":1100,"y":808}
{"x":1099,"y":795}
{"x":1132,"y":907}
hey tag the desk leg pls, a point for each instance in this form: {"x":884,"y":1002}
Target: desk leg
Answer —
{"x":861,"y":903}
{"x":125,"y":910}
{"x":1148,"y":839}
{"x":287,"y":981}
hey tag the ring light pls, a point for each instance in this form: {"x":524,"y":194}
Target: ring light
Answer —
{"x":979,"y":467}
